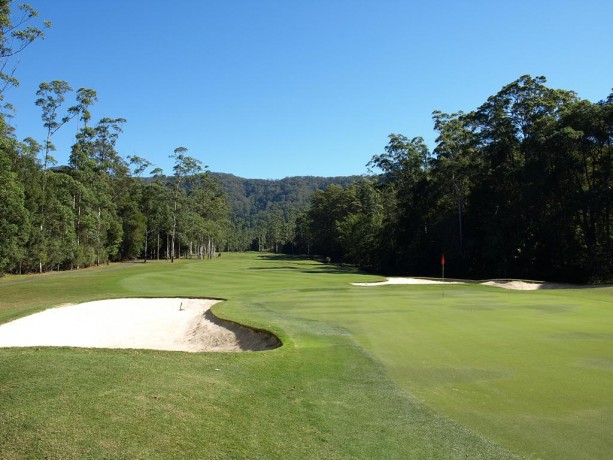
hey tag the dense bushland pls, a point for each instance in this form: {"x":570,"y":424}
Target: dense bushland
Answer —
{"x":519,"y":187}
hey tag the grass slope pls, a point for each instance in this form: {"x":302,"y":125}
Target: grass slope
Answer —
{"x":364,"y":372}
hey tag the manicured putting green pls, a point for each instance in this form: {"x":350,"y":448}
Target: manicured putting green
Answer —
{"x":365,"y":372}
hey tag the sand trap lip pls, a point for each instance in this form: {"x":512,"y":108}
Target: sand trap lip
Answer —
{"x":175,"y":324}
{"x":399,"y":280}
{"x":533,"y":286}
{"x":516,"y":285}
{"x":505,"y":284}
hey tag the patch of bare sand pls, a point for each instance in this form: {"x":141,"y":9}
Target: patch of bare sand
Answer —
{"x":400,"y":280}
{"x":530,"y":286}
{"x":516,"y":285}
{"x":505,"y":284}
{"x":176,"y":324}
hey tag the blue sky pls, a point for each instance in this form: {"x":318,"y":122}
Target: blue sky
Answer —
{"x":269,"y":89}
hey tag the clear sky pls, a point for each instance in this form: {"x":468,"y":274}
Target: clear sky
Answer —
{"x":276,"y":88}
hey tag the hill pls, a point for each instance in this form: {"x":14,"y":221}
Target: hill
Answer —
{"x":250,"y":197}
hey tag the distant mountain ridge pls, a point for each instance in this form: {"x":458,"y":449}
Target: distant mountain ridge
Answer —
{"x":248,"y":197}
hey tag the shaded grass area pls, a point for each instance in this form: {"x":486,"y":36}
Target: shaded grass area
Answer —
{"x":363,"y":373}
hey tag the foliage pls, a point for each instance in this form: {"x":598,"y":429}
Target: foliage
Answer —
{"x":521,"y":187}
{"x":18,"y":29}
{"x":265,"y":213}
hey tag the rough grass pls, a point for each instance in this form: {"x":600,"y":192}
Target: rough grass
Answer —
{"x":383,"y":372}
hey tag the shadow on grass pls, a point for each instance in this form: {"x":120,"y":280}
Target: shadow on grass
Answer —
{"x":248,"y":339}
{"x":316,"y":269}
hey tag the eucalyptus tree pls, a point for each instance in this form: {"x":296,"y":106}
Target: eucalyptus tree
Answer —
{"x":157,"y":206}
{"x":14,"y":220}
{"x":27,"y":167}
{"x":51,"y":98}
{"x":512,"y":194}
{"x":102,"y":175}
{"x":406,"y":170}
{"x":582,"y":181}
{"x":184,"y":167}
{"x":209,"y":215}
{"x":140,"y":165}
{"x":456,"y":160}
{"x":360,"y":230}
{"x":329,"y":208}
{"x":18,"y":29}
{"x":85,"y":99}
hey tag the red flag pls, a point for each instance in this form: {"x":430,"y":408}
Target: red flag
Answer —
{"x":443,"y":260}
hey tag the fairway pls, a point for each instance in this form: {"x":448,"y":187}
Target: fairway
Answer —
{"x":392,"y":371}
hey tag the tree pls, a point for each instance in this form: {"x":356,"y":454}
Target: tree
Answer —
{"x":104,"y":180}
{"x":85,"y":99}
{"x":511,"y":192}
{"x":15,"y":36}
{"x":184,"y":167}
{"x":360,"y":231}
{"x":14,"y":222}
{"x":51,"y":97}
{"x":406,"y":168}
{"x":157,"y":207}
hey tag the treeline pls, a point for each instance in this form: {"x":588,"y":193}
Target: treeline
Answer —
{"x":265,"y":212}
{"x":95,"y":209}
{"x":521,"y":187}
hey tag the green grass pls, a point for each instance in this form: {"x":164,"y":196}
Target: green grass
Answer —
{"x":365,"y":372}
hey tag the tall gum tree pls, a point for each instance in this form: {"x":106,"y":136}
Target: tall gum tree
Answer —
{"x":51,"y":98}
{"x":184,"y":167}
{"x":18,"y":29}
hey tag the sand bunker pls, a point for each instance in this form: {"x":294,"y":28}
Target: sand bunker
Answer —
{"x":406,"y":281}
{"x":533,"y":286}
{"x":505,"y":284}
{"x":517,"y":285}
{"x":159,"y":324}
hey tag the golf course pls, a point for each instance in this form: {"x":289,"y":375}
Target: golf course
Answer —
{"x":390,"y":371}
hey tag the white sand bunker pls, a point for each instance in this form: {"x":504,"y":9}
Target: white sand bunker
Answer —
{"x":517,"y":285}
{"x":406,"y":281}
{"x":530,"y":286}
{"x":158,"y":324}
{"x":505,"y":284}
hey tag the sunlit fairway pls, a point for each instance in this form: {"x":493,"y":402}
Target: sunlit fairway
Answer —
{"x":399,"y":371}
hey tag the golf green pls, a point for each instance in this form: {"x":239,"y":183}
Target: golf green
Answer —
{"x":396,"y":371}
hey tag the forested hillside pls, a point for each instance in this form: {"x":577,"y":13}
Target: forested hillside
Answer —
{"x":265,"y":212}
{"x":248,"y":197}
{"x":95,"y":209}
{"x":520,"y":187}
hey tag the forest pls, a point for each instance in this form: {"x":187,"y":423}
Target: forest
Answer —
{"x":520,"y":187}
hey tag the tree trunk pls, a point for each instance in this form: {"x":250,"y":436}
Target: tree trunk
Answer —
{"x":98,"y":241}
{"x":146,"y":235}
{"x":174,"y":230}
